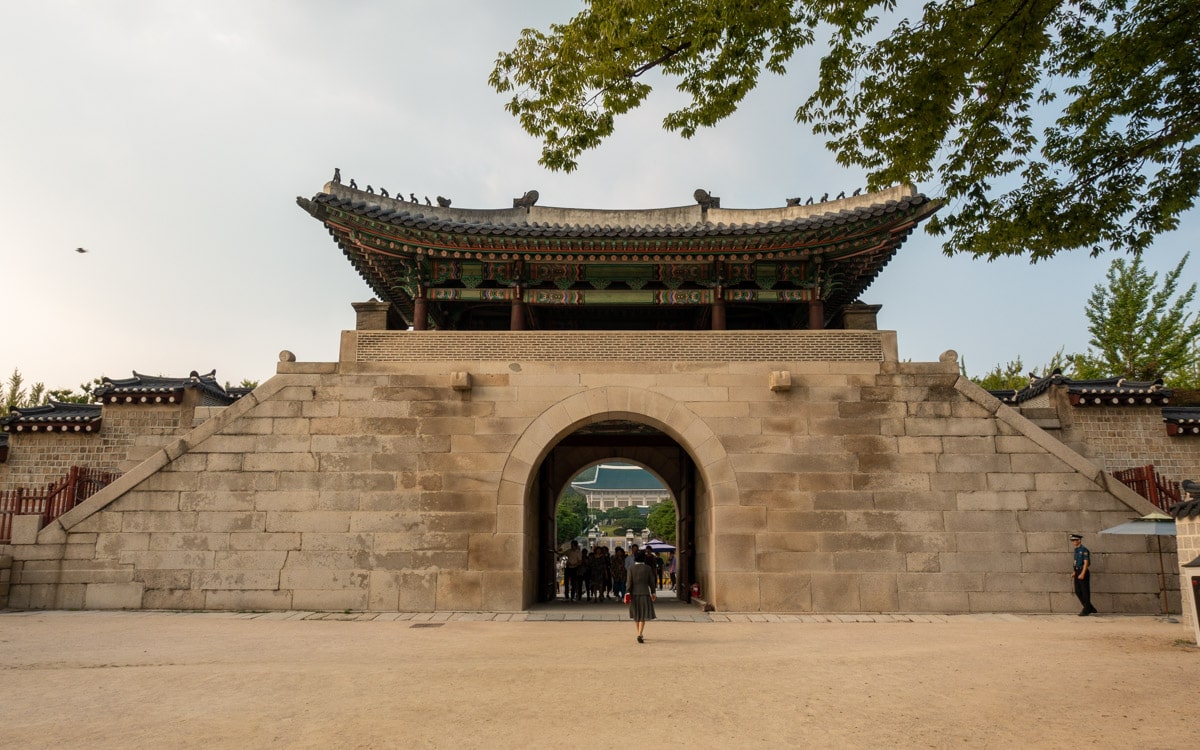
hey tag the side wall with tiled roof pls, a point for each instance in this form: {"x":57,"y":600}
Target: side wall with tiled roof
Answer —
{"x":128,"y":434}
{"x":1122,"y":437}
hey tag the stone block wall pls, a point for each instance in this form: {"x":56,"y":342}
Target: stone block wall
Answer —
{"x":1188,"y":538}
{"x":865,"y":485}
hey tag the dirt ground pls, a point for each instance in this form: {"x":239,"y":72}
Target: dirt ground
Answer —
{"x":120,"y":680}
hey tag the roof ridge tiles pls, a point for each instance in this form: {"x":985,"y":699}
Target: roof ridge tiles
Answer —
{"x":54,"y":412}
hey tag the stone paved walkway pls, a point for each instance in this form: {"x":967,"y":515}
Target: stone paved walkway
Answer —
{"x":377,"y":681}
{"x":600,"y":613}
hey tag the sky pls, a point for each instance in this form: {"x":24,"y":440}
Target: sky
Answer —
{"x":171,"y":139}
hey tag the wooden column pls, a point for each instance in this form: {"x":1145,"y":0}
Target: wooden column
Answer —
{"x":516,"y":320}
{"x":420,"y":311}
{"x":816,"y":315}
{"x":718,"y":310}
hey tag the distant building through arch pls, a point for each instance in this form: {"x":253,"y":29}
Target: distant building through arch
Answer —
{"x":619,"y":485}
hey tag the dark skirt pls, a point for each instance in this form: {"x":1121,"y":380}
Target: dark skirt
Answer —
{"x":641,"y":608}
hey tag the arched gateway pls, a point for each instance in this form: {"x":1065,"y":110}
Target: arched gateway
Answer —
{"x":634,"y":424}
{"x":724,"y":348}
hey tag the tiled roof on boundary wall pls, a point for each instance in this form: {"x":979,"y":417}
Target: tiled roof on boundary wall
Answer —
{"x":55,"y":416}
{"x":1100,"y":392}
{"x":157,"y":389}
{"x":1117,"y":392}
{"x":1182,"y":420}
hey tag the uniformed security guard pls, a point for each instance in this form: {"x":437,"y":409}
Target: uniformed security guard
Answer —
{"x":1081,"y":575}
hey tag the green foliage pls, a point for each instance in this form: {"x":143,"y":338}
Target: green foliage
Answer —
{"x":574,"y":502}
{"x":1140,"y":329}
{"x":569,"y":525}
{"x":952,"y":93}
{"x":661,"y":521}
{"x":84,"y":396}
{"x":571,"y":516}
{"x":1014,"y":376}
{"x":15,"y":394}
{"x":628,"y":517}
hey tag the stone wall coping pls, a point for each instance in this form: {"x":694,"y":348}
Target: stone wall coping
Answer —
{"x":306,"y":368}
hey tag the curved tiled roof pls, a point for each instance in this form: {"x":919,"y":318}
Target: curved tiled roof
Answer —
{"x":54,"y":416}
{"x":685,"y":222}
{"x":1037,"y":386}
{"x":1182,"y":420}
{"x":833,"y":250}
{"x":1100,"y":392}
{"x":1117,"y":392}
{"x":156,"y":389}
{"x":619,"y":478}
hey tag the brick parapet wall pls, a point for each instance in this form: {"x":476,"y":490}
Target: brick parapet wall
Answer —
{"x":37,"y":459}
{"x":1128,"y":436}
{"x":756,"y":346}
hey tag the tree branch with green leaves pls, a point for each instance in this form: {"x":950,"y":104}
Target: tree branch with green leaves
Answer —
{"x":1047,"y":125}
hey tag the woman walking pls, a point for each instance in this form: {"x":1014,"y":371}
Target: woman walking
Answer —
{"x":639,"y":587}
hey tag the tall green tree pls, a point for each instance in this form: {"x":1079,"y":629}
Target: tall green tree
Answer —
{"x":1141,"y":329}
{"x":16,"y":394}
{"x":957,"y":90}
{"x":661,"y":521}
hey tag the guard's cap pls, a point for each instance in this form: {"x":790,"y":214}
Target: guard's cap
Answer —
{"x":1076,"y":538}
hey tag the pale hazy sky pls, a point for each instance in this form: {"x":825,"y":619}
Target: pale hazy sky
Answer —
{"x":170,"y":139}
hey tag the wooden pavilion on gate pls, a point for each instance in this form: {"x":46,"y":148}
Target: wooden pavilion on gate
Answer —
{"x":690,"y":267}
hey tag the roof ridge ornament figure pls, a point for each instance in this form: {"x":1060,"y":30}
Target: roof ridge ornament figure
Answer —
{"x":353,"y":184}
{"x":706,"y":199}
{"x":443,"y":202}
{"x":337,"y":176}
{"x":526,"y":201}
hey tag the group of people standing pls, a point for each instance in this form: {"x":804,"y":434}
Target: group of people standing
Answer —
{"x":597,"y":575}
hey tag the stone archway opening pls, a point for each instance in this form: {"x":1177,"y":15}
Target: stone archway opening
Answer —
{"x":615,"y":505}
{"x":610,"y":440}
